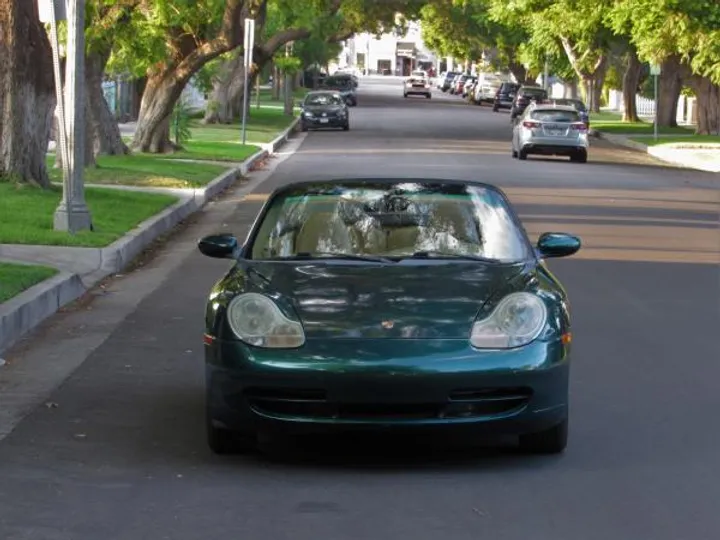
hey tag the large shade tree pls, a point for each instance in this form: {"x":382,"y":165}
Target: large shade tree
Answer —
{"x":575,"y":27}
{"x":684,"y":37}
{"x":466,"y":29}
{"x":26,"y":93}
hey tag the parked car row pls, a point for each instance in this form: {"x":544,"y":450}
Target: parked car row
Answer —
{"x":541,"y":125}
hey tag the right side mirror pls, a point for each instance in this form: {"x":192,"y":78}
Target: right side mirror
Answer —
{"x":552,"y":244}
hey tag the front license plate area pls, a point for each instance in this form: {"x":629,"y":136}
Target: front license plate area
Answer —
{"x":324,"y":120}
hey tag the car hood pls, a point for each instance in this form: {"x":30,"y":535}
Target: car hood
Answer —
{"x":395,"y":302}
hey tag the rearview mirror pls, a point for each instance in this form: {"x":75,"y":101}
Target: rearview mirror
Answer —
{"x":558,"y":244}
{"x":219,"y":246}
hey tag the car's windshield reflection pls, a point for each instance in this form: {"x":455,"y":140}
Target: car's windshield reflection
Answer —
{"x":390,"y":221}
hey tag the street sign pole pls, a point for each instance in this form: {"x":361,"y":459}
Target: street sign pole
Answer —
{"x":655,"y":72}
{"x":248,"y":59}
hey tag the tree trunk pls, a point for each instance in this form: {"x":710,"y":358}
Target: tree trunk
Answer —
{"x":276,"y":83}
{"x":631,"y":81}
{"x":708,"y":104}
{"x":219,"y":110}
{"x":592,"y":77}
{"x":27,"y":94}
{"x":103,"y":129}
{"x":162,"y":92}
{"x":669,"y":87}
{"x":519,"y":72}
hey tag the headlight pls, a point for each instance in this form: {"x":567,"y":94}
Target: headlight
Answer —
{"x":516,"y":321}
{"x":308,"y":115}
{"x":258,"y":321}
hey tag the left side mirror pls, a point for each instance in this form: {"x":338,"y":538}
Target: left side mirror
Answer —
{"x":558,"y":244}
{"x":219,"y":246}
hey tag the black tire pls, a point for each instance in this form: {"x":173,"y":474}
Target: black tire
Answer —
{"x":428,"y":96}
{"x":496,"y":108}
{"x":579,"y":157}
{"x":404,"y":95}
{"x":224,"y":442}
{"x":303,"y":127}
{"x":549,"y":441}
{"x":514,"y":153}
{"x":346,"y":127}
{"x":522,"y":154}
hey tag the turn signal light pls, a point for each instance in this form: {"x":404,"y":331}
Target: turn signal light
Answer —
{"x":566,"y":338}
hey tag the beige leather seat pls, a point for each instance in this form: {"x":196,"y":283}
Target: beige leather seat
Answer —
{"x":325,"y":232}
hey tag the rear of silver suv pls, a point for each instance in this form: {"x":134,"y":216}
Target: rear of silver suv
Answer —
{"x":550,"y":130}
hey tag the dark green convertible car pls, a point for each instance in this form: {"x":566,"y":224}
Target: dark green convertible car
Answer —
{"x":388,"y":303}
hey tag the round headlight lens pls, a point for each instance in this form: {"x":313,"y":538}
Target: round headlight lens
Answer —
{"x":258,"y":321}
{"x":517,"y":320}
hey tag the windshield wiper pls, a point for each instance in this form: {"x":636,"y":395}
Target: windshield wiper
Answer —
{"x":442,"y":255}
{"x":332,"y":255}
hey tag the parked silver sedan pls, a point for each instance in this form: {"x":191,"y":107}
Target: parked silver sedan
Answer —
{"x":555,"y":130}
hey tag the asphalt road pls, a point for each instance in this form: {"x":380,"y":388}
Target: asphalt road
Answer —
{"x":117,"y":451}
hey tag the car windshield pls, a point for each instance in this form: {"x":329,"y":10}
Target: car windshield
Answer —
{"x":389,"y":220}
{"x":554,"y":115}
{"x":323,"y":99}
{"x":579,"y":105}
{"x":532,"y":92}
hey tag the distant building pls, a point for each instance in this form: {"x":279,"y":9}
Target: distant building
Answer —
{"x":390,"y":54}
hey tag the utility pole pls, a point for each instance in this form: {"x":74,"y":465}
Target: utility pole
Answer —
{"x":248,"y":60}
{"x":655,"y":70}
{"x":287,"y":80}
{"x":72,"y":215}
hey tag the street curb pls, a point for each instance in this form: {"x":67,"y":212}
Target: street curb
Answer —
{"x":281,"y":139}
{"x":670,"y":153}
{"x":26,"y":311}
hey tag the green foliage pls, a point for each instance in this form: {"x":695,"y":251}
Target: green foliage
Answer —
{"x":289,"y":64}
{"x":180,"y":122}
{"x":575,"y":28}
{"x":661,"y":28}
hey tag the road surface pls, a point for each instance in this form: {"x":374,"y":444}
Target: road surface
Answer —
{"x":117,"y":451}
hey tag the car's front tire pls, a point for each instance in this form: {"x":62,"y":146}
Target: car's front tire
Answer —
{"x":549,"y":441}
{"x":346,"y":126}
{"x":428,"y":96}
{"x":303,"y":127}
{"x":404,"y":95}
{"x":496,"y":108}
{"x":522,"y":154}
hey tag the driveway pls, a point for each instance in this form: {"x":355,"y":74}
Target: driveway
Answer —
{"x":117,"y":451}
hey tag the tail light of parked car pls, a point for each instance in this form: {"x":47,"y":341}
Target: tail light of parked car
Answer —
{"x":530,"y":124}
{"x":578,"y":126}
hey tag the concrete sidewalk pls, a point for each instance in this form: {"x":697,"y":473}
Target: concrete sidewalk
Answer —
{"x":698,"y":156}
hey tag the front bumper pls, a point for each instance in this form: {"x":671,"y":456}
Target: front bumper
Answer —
{"x":350,"y":384}
{"x":317,"y":122}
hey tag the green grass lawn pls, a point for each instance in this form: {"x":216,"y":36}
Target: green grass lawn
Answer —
{"x":263,"y":126}
{"x":15,"y":278}
{"x":711,"y":141}
{"x":26,"y":214}
{"x":146,"y":170}
{"x":612,"y":123}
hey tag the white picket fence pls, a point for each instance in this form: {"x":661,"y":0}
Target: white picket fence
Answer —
{"x":686,"y":110}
